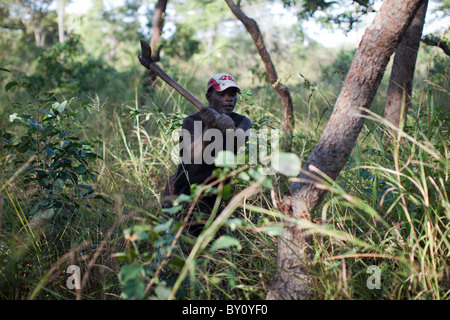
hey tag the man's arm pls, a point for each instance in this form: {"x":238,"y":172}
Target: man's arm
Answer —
{"x":194,"y":135}
{"x":213,"y":119}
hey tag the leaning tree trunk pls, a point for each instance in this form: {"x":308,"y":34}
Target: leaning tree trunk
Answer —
{"x":283,"y":91}
{"x":337,"y":141}
{"x":400,"y":85}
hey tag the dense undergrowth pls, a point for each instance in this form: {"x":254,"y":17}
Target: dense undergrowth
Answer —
{"x":81,"y":180}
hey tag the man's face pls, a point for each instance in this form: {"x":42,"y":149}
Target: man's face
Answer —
{"x":223,"y":101}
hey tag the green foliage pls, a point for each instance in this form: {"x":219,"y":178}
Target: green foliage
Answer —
{"x":36,"y":22}
{"x":55,"y":161}
{"x":339,"y":67}
{"x":131,"y":277}
{"x":439,"y":72}
{"x":182,"y":44}
{"x":445,"y":6}
{"x":388,"y":208}
{"x":393,"y":197}
{"x":67,"y":68}
{"x":341,"y":13}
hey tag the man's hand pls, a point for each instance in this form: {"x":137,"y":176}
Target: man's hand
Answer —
{"x":215,"y":120}
{"x":208,"y":116}
{"x":224,"y":122}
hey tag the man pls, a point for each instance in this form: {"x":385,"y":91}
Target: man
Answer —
{"x":204,"y":134}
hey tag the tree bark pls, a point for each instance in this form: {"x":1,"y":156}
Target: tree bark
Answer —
{"x":157,"y":27}
{"x":283,"y":91}
{"x":292,"y":280}
{"x":401,"y":82}
{"x":339,"y":136}
{"x":155,"y":40}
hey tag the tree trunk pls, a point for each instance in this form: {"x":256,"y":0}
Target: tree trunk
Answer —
{"x":61,"y":8}
{"x":157,"y":27}
{"x":400,"y":85}
{"x":339,"y":136}
{"x":281,"y":89}
{"x":155,"y":40}
{"x":39,"y":36}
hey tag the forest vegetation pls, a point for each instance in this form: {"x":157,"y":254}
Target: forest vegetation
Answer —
{"x":87,"y":137}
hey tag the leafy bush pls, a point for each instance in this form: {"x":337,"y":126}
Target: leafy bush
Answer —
{"x":43,"y":140}
{"x":68,"y":68}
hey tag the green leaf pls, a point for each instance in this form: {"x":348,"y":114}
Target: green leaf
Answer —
{"x":176,"y":263}
{"x":233,"y":223}
{"x":287,"y":164}
{"x":132,"y":278}
{"x":59,"y":106}
{"x":44,"y":203}
{"x":182,"y":198}
{"x":172,"y":210}
{"x":163,"y":226}
{"x":48,"y":214}
{"x":50,"y":151}
{"x":131,"y":271}
{"x":44,"y":182}
{"x":27,"y":85}
{"x":162,"y":291}
{"x":225,"y":242}
{"x":3,"y":69}
{"x":225,"y":159}
{"x":267,"y":183}
{"x":122,"y":256}
{"x":274,"y":230}
{"x":59,"y":183}
{"x":9,"y":85}
{"x":133,"y":289}
{"x":102,"y":197}
{"x":255,"y":174}
{"x":44,"y":214}
{"x":244,"y":176}
{"x":137,"y":232}
{"x":80,"y":169}
{"x":226,"y":191}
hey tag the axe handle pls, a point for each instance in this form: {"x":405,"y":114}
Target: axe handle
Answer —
{"x":146,"y":53}
{"x":171,"y":82}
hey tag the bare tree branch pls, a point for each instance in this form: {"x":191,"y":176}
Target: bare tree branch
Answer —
{"x":283,"y":91}
{"x":438,"y":41}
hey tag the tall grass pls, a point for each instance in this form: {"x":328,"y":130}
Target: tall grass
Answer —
{"x":393,"y":197}
{"x":389,"y":208}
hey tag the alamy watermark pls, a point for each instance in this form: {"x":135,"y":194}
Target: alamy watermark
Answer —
{"x":203,"y":147}
{"x":374,"y":281}
{"x":74,"y":280}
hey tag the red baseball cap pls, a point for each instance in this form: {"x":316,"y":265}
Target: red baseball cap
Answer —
{"x":222,"y":81}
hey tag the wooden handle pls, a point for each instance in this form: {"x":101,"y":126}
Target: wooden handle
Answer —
{"x":171,"y":82}
{"x":146,"y":60}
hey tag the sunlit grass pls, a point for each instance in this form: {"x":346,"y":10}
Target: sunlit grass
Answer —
{"x":389,"y":208}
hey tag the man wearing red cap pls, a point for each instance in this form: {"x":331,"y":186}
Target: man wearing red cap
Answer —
{"x":218,"y":118}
